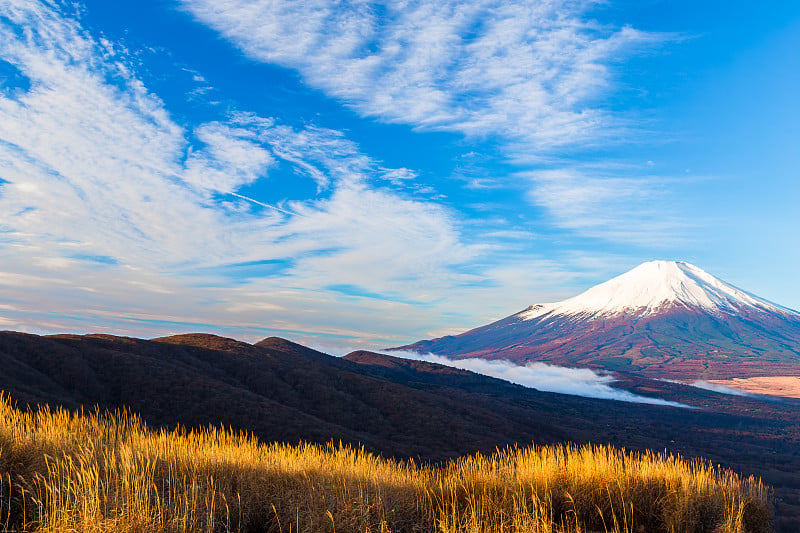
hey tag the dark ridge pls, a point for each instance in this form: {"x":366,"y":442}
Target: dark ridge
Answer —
{"x":203,"y":340}
{"x":279,"y":390}
{"x":281,"y":345}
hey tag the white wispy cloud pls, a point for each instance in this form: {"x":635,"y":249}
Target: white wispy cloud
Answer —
{"x":530,"y":72}
{"x":549,"y":378}
{"x":389,"y":228}
{"x":228,"y":159}
{"x":628,"y":209}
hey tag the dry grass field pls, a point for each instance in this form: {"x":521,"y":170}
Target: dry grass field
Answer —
{"x":784,"y":386}
{"x":109,"y":473}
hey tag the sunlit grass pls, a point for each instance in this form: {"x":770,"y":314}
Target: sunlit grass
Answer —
{"x":63,"y":472}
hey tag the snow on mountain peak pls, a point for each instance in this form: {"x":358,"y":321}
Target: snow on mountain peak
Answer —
{"x":657,"y":284}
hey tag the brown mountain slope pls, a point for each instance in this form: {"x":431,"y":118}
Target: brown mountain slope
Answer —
{"x":677,"y":343}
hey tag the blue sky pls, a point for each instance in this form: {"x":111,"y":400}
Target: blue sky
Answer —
{"x":363,"y":174}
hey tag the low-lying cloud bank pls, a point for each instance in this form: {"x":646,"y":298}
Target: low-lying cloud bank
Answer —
{"x":549,"y":378}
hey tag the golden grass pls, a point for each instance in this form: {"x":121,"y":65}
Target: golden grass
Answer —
{"x":786,"y":386}
{"x":109,"y":473}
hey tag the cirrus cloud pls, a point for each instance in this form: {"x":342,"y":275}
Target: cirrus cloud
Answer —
{"x":531,"y":72}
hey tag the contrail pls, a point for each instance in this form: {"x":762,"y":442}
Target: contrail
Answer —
{"x":262,"y":204}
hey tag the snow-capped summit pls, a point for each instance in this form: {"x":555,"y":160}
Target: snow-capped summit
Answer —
{"x":661,"y":319}
{"x":658,"y":285}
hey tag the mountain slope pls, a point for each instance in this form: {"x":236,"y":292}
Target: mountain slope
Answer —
{"x":661,"y":319}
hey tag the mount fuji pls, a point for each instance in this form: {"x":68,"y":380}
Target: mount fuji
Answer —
{"x":663,"y":319}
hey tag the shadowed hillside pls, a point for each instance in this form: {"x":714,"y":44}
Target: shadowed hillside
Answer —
{"x":277,"y":389}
